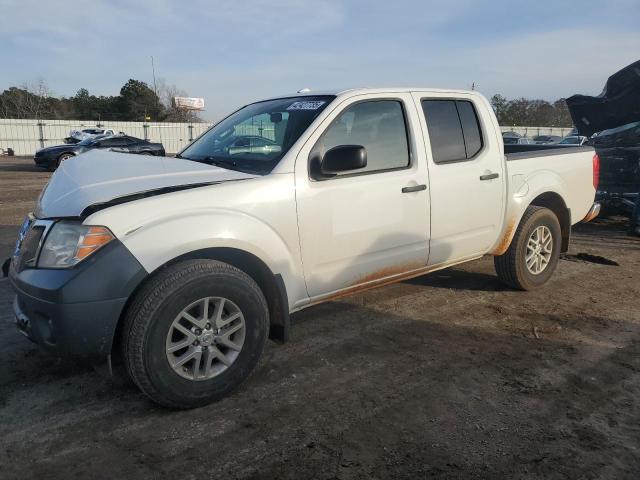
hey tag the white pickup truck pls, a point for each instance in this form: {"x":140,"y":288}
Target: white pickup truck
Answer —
{"x":183,"y":267}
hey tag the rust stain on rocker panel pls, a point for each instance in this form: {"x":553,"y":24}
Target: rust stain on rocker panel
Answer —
{"x":386,"y":276}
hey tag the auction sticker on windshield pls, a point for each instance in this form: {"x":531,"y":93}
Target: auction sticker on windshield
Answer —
{"x":307,"y":105}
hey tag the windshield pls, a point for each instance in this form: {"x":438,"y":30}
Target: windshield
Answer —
{"x":257,"y":136}
{"x":571,"y":141}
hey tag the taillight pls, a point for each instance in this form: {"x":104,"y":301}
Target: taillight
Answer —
{"x":596,"y":171}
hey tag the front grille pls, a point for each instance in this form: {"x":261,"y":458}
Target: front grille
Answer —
{"x":28,"y":252}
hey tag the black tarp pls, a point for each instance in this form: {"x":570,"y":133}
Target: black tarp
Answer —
{"x":617,"y":105}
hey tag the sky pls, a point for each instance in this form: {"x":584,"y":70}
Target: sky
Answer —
{"x":232,"y":52}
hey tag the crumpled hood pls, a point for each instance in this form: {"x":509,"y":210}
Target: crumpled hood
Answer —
{"x":99,"y":177}
{"x":617,"y":105}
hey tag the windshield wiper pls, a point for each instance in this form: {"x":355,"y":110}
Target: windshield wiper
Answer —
{"x":229,"y":164}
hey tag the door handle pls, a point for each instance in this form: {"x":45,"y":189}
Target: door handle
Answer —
{"x":489,"y":176}
{"x":415,"y":188}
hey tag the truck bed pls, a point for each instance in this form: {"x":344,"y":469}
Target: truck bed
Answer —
{"x":519,"y":152}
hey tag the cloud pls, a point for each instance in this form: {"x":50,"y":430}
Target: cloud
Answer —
{"x":233,"y":51}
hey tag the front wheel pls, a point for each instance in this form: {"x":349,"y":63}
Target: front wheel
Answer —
{"x":62,"y":158}
{"x":194,"y":333}
{"x":533,"y":254}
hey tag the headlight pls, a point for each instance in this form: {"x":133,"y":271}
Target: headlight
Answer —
{"x":69,"y":243}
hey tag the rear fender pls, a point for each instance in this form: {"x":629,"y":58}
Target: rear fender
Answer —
{"x":523,"y":191}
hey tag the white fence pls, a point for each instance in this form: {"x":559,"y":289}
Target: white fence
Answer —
{"x":535,"y":131}
{"x":27,"y":136}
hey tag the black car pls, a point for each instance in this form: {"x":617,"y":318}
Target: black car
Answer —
{"x":546,"y":139}
{"x":51,"y":157}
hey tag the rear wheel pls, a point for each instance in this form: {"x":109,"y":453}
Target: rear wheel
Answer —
{"x":533,"y":254}
{"x":194,"y":333}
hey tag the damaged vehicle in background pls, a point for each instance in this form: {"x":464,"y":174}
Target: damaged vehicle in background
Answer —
{"x":76,"y":136}
{"x":612,"y":120}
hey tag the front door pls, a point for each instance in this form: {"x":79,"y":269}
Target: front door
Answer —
{"x":372,"y":223}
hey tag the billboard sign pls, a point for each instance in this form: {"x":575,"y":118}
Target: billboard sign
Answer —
{"x":188,"y":103}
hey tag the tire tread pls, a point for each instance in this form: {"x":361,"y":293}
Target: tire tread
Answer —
{"x":506,"y":265}
{"x":138,"y":317}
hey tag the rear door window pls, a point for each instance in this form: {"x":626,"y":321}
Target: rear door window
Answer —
{"x":454,"y":130}
{"x":445,"y":130}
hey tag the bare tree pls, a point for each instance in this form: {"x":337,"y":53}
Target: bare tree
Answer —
{"x":39,"y":94}
{"x":31,"y":100}
{"x":166,"y":93}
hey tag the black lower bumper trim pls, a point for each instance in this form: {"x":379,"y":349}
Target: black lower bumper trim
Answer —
{"x":75,"y":312}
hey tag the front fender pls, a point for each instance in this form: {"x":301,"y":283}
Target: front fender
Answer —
{"x":163,"y":239}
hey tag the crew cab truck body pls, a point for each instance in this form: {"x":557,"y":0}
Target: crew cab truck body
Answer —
{"x":187,"y":265}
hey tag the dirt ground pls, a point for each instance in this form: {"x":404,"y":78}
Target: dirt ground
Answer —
{"x":450,"y":375}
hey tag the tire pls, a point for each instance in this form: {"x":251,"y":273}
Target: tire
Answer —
{"x":145,"y":153}
{"x":154,"y":312}
{"x":512,"y":268}
{"x":62,"y":158}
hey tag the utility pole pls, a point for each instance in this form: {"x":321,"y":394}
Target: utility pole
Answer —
{"x":153,"y":70}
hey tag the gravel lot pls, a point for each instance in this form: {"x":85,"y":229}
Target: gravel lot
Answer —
{"x":450,"y":375}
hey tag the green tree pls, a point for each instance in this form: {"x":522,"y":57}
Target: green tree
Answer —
{"x":138,"y":102}
{"x":499,"y":104}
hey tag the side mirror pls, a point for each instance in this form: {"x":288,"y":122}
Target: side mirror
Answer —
{"x":343,"y":158}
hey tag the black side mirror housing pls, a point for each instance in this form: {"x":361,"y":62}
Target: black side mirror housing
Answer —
{"x":343,"y":158}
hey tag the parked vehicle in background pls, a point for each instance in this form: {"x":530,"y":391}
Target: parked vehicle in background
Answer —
{"x":619,"y":150}
{"x":236,"y":145}
{"x":613,"y":120}
{"x":517,"y":141}
{"x":196,"y":261}
{"x":546,"y":139}
{"x":76,"y":136}
{"x":511,"y":135}
{"x":52,"y":157}
{"x":573,"y":140}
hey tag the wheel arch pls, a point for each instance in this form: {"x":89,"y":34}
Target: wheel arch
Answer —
{"x":547,"y":199}
{"x":272,"y":285}
{"x":554,"y":202}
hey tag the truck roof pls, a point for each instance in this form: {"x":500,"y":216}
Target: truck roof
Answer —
{"x":369,"y":90}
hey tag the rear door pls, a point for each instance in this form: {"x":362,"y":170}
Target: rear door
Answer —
{"x":369,"y":224}
{"x":466,"y":171}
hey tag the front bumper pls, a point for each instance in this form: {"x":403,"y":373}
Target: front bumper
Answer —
{"x":43,"y":162}
{"x":75,"y":311}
